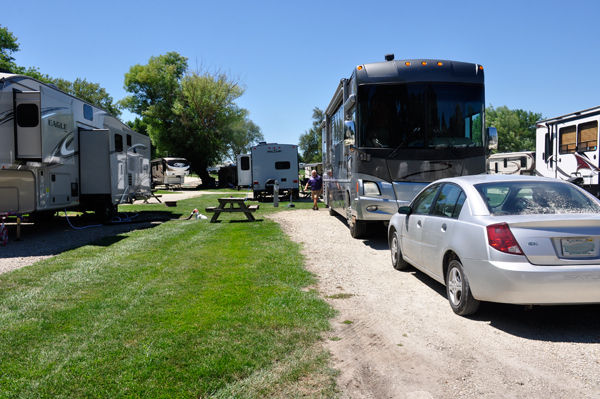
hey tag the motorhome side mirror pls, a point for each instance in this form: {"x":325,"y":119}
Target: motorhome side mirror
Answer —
{"x":404,"y":210}
{"x":349,"y":130}
{"x":492,"y":135}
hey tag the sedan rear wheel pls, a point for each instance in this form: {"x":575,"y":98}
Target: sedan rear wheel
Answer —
{"x":397,"y":261}
{"x":459,"y":292}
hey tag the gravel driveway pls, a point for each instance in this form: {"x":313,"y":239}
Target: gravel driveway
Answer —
{"x":397,"y":337}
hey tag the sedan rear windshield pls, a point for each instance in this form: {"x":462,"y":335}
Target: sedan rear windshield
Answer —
{"x":531,"y":197}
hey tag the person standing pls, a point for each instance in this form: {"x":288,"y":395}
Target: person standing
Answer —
{"x":316,"y":185}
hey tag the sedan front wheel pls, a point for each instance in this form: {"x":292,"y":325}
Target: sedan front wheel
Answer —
{"x":459,"y":292}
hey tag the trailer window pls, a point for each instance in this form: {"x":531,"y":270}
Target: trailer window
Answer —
{"x":129,"y":140}
{"x":282,"y":165}
{"x":28,"y":115}
{"x":245,"y":163}
{"x":88,"y":112}
{"x":118,"y":143}
{"x":588,"y":136}
{"x":568,"y":139}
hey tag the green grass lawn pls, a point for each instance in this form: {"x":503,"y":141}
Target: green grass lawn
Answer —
{"x":184,"y":309}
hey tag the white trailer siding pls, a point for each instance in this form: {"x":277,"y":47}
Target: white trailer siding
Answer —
{"x":567,"y":148}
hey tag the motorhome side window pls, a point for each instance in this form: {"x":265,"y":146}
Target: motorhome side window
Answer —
{"x":588,"y":136}
{"x":568,"y":139}
{"x":282,"y":165}
{"x":88,"y":112}
{"x":118,"y":143}
{"x":129,"y":140}
{"x":28,"y":115}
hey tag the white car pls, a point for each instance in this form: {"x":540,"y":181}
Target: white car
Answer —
{"x":508,"y":239}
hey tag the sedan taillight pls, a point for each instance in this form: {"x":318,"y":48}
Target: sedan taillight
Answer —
{"x":501,"y":238}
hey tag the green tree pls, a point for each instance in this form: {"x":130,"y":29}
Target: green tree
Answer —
{"x":90,"y":92}
{"x":242,"y":135}
{"x":516,"y":128}
{"x":188,"y":113}
{"x":310,"y":142}
{"x":8,"y":46}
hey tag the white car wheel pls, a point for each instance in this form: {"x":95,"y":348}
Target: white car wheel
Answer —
{"x":459,"y":292}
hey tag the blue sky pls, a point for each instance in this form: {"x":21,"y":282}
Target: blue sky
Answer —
{"x":539,"y":56}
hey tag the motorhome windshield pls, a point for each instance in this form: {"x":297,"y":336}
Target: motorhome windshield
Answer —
{"x":420,"y":115}
{"x":178,"y":163}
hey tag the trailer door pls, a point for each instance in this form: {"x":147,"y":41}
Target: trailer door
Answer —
{"x":28,"y":132}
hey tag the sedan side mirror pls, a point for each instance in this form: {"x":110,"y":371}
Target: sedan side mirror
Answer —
{"x":405,"y":210}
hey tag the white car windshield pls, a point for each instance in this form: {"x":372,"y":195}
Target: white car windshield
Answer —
{"x":535,"y":197}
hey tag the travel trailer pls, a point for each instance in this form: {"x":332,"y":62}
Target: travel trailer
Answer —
{"x":169,"y":172}
{"x":269,"y":163}
{"x":512,"y":163}
{"x":57,"y":152}
{"x":567,"y":148}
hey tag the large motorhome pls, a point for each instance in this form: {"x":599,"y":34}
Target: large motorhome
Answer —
{"x":169,"y":171}
{"x":269,"y":163}
{"x":567,"y":148}
{"x":393,"y":127}
{"x":59,"y":152}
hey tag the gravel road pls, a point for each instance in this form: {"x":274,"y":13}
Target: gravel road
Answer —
{"x":397,"y":337}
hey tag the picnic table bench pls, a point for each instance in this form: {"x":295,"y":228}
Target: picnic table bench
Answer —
{"x":241,"y":207}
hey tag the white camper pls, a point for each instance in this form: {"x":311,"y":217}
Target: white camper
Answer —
{"x":274,"y":162}
{"x":244,"y":170}
{"x":169,"y":171}
{"x":512,"y":163}
{"x":59,"y":152}
{"x":567,"y":148}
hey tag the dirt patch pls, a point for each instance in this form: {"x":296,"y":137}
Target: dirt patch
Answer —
{"x":397,"y":337}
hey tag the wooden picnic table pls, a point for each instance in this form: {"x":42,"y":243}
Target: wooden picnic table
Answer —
{"x":232,"y":202}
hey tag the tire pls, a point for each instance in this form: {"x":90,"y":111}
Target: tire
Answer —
{"x":397,"y":261}
{"x":106,"y":211}
{"x":358,"y":228}
{"x":458,"y":290}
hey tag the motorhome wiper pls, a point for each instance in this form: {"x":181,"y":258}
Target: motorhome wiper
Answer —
{"x":436,"y":134}
{"x":410,"y":136}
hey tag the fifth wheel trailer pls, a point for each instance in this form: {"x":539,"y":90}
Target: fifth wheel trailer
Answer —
{"x":59,"y":152}
{"x":567,"y":148}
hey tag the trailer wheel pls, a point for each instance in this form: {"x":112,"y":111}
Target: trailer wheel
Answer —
{"x":106,"y":211}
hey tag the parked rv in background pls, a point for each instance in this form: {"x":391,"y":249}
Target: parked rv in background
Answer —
{"x":269,"y":163}
{"x":309,"y":167}
{"x":59,"y":152}
{"x":512,"y":163}
{"x":567,"y":148}
{"x":169,"y":172}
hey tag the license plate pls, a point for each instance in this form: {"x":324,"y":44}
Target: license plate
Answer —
{"x":576,"y":247}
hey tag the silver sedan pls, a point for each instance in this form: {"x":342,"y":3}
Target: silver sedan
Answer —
{"x":508,"y":239}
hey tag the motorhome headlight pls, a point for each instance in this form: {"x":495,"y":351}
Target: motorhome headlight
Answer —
{"x":372,"y":208}
{"x":371,"y":188}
